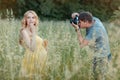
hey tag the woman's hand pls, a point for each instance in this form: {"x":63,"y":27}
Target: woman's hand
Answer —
{"x":33,"y":38}
{"x":32,"y":28}
{"x":45,"y":44}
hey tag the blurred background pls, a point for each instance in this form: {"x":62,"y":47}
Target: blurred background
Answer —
{"x":59,"y":9}
{"x":66,"y":60}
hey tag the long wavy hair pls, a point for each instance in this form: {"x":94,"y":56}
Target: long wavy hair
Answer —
{"x":24,"y":20}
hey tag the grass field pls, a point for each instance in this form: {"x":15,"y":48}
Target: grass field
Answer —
{"x":66,"y":60}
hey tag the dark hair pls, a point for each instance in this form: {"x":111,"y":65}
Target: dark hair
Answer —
{"x":85,"y":16}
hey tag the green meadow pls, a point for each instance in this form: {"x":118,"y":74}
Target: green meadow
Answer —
{"x":66,"y":60}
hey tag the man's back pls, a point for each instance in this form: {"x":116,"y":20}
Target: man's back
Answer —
{"x":98,"y":32}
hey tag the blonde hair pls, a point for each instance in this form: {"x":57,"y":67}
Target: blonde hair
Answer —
{"x":24,"y":21}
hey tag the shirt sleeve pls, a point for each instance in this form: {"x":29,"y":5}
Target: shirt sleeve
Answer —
{"x":89,"y":34}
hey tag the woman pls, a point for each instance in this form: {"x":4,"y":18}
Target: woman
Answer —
{"x":35,"y":55}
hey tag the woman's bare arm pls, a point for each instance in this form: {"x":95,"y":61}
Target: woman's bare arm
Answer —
{"x":25,"y":38}
{"x":33,"y":40}
{"x":29,"y":40}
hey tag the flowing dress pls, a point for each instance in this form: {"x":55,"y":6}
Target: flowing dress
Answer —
{"x":33,"y":63}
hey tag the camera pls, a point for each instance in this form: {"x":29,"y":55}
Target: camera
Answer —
{"x":75,"y":20}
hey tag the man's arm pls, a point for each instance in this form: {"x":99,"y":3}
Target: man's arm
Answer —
{"x":83,"y":42}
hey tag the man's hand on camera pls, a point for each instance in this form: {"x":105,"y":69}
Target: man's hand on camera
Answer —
{"x":74,"y":15}
{"x":75,"y":26}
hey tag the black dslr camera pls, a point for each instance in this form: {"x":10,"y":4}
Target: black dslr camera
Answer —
{"x":75,"y":20}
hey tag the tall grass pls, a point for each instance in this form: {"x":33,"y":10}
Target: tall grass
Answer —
{"x":66,"y":60}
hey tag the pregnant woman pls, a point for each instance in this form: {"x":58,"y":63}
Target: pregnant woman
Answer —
{"x":35,"y":56}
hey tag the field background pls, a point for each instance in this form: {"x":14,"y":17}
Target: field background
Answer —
{"x":66,"y":60}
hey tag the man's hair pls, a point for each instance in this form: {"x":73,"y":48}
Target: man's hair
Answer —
{"x":85,"y":16}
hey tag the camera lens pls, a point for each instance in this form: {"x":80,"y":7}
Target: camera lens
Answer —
{"x":75,"y":20}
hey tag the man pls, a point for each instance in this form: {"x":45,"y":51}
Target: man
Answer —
{"x":95,"y":31}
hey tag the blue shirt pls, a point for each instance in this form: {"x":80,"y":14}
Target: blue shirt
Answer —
{"x":98,"y":33}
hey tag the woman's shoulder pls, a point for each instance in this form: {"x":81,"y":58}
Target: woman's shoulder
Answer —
{"x":22,"y":31}
{"x":21,"y":36}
